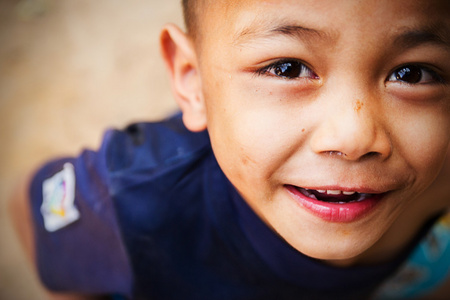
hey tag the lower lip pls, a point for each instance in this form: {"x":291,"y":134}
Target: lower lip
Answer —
{"x":336,"y":212}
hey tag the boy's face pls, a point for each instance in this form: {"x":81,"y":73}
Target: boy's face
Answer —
{"x":309,"y":99}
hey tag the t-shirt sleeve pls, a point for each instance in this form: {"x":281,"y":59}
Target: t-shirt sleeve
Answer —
{"x":78,"y":242}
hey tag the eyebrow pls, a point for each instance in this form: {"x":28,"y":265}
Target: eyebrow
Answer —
{"x":254,"y":31}
{"x":437,"y":35}
{"x":295,"y":30}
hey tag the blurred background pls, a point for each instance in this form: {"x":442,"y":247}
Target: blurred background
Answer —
{"x":69,"y":69}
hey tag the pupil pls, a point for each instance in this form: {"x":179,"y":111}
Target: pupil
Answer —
{"x":288,"y":69}
{"x":410,"y":74}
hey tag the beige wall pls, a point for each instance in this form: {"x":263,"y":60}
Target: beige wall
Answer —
{"x":68,"y":70}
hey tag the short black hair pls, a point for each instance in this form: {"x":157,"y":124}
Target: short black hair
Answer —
{"x":189,"y":14}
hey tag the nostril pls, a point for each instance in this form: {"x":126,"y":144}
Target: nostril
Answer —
{"x":370,"y":155}
{"x":336,"y":153}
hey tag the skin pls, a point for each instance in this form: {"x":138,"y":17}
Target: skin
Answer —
{"x":346,"y":123}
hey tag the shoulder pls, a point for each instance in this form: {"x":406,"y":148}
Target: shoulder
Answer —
{"x":439,"y":246}
{"x":70,"y":203}
{"x":152,"y":153}
{"x":20,"y":212}
{"x":151,"y":145}
{"x":155,"y":169}
{"x":426,"y":272}
{"x":72,"y":231}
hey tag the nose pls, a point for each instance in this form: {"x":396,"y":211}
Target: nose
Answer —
{"x":353,"y":131}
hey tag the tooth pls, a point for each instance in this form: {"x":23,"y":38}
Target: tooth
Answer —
{"x":348,"y":193}
{"x":333,"y":192}
{"x":322,"y":191}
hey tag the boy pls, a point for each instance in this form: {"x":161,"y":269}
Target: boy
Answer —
{"x":318,"y":176}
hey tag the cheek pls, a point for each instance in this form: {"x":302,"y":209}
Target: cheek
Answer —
{"x":246,"y":145}
{"x":423,"y":141}
{"x":252,"y":132}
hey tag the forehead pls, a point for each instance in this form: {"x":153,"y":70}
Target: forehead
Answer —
{"x":246,"y":19}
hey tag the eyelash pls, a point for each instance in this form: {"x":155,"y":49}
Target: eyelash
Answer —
{"x":296,"y":67}
{"x":415,"y":73}
{"x":412,"y":72}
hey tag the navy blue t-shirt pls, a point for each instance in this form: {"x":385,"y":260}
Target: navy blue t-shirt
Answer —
{"x":150,"y":215}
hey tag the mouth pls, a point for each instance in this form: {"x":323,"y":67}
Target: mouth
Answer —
{"x":340,"y":206}
{"x":334,"y":196}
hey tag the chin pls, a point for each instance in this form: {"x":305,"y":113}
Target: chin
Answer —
{"x":343,"y":252}
{"x":335,"y":254}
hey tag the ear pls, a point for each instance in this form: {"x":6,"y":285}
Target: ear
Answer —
{"x":179,"y":54}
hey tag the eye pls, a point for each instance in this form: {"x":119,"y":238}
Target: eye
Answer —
{"x":415,"y":74}
{"x":289,"y":69}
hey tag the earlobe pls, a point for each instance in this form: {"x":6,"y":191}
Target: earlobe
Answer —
{"x":179,"y":54}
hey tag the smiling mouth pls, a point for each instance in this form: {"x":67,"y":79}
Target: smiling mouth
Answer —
{"x":336,"y":205}
{"x":334,"y":196}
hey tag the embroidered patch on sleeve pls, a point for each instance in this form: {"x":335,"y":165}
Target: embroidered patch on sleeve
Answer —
{"x":58,"y":208}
